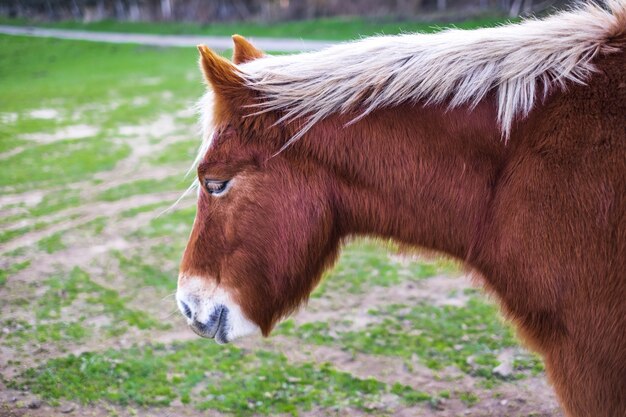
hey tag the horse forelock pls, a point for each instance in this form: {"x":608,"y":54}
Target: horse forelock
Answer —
{"x":205,"y":109}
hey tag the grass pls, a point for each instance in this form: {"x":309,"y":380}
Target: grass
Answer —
{"x":88,"y":300}
{"x":469,"y":398}
{"x":222,"y":378}
{"x":136,"y":269}
{"x":64,"y":290}
{"x":61,"y":163}
{"x":5,"y":273}
{"x":8,"y":143}
{"x":364,"y":265}
{"x":142,"y":209}
{"x":339,"y":28}
{"x":468,"y":338}
{"x":171,"y":223}
{"x":93,"y":227}
{"x":99,"y":88}
{"x":35,"y":73}
{"x":12,"y":233}
{"x":149,"y":186}
{"x":56,"y":201}
{"x":181,"y":152}
{"x":52,"y":243}
{"x":60,"y":333}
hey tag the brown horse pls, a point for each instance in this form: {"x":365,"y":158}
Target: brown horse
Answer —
{"x":504,"y":148}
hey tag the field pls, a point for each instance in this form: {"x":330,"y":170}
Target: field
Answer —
{"x":323,"y":29}
{"x":95,"y":140}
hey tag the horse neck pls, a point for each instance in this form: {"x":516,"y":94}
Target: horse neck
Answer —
{"x":422,"y":176}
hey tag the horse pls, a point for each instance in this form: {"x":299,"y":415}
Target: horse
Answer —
{"x":503,"y":148}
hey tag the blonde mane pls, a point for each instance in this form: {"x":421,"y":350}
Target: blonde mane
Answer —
{"x":519,"y":62}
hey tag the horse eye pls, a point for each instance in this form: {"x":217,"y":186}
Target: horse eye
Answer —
{"x":215,"y":187}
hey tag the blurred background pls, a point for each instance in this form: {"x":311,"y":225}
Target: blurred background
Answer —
{"x":263,"y":10}
{"x":97,"y":131}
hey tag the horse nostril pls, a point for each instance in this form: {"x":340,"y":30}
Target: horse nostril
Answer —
{"x":186,"y":309}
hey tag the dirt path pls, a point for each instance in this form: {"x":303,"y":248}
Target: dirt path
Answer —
{"x":216,"y":42}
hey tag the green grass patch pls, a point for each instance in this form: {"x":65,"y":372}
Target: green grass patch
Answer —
{"x":94,"y":227}
{"x":52,"y":243}
{"x":148,"y":186}
{"x":64,"y":290}
{"x":22,"y":333}
{"x":141,"y":273}
{"x":94,"y":78}
{"x":174,"y":223}
{"x":5,"y":273}
{"x":177,"y":152}
{"x":468,"y":338}
{"x":142,"y":209}
{"x":17,"y":252}
{"x":9,"y":234}
{"x":409,"y":395}
{"x":93,"y":84}
{"x":61,"y":162}
{"x":366,"y":263}
{"x":56,"y":201}
{"x":171,"y":251}
{"x":469,"y":398}
{"x":8,"y":143}
{"x":206,"y":376}
{"x":531,"y":362}
{"x":13,"y":217}
{"x":315,"y":332}
{"x":337,"y":28}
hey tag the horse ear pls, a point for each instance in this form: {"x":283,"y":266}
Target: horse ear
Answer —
{"x":244,"y":51}
{"x":219,"y":73}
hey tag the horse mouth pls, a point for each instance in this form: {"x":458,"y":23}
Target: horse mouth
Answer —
{"x":216,"y":326}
